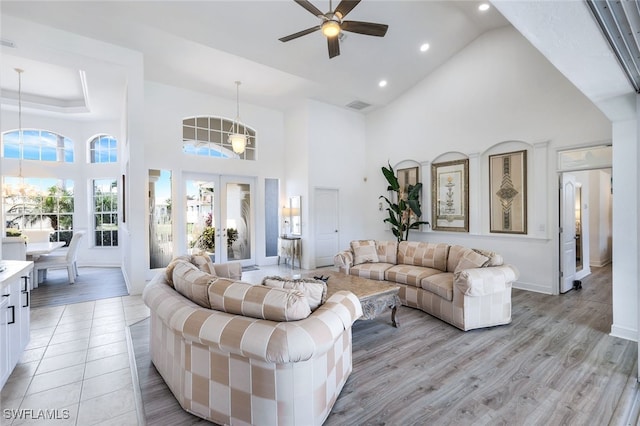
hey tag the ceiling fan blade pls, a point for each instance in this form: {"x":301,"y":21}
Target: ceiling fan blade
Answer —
{"x":311,"y":8}
{"x":300,"y":34}
{"x":345,"y":7}
{"x":334,"y":46}
{"x":366,"y":28}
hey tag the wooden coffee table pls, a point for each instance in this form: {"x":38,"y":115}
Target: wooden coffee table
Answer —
{"x":375,"y":296}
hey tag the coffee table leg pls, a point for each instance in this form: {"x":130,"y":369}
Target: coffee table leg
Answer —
{"x":394,"y":320}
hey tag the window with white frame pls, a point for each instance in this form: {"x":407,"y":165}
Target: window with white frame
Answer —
{"x":37,"y":144}
{"x":105,"y":212}
{"x":103,"y":149}
{"x":39,"y":203}
{"x":209,"y":137}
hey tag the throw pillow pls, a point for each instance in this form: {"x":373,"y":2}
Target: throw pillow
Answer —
{"x":471,"y":259}
{"x":314,"y":290}
{"x":204,"y":263}
{"x":494,"y":258}
{"x":169,"y":269}
{"x":192,"y":283}
{"x":364,"y":251}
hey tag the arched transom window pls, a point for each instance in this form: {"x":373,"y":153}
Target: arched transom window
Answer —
{"x":209,"y":137}
{"x":37,"y":144}
{"x":103,"y":149}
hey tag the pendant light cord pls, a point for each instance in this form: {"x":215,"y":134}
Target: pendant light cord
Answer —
{"x":20,"y":136}
{"x":238,"y":83}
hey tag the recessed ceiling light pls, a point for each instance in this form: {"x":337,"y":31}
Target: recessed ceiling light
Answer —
{"x":484,"y":7}
{"x":424,"y":47}
{"x":382,"y":83}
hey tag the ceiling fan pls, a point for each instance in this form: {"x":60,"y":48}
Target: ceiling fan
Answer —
{"x":333,"y":24}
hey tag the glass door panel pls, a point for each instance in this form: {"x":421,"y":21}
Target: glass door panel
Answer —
{"x":237,"y":216}
{"x":219,"y":218}
{"x":201,"y":200}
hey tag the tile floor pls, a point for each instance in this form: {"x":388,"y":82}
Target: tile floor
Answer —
{"x":76,"y":367}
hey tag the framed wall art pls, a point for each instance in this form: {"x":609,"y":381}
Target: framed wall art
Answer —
{"x":450,"y":195}
{"x":508,"y":192}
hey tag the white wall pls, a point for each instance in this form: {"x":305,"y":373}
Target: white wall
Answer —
{"x":499,"y":88}
{"x":324,"y":149}
{"x":625,"y":229}
{"x":600,"y":224}
{"x":336,"y":146}
{"x":164,"y":109}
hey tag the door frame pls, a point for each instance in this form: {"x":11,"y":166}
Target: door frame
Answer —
{"x":313,"y":255}
{"x":564,"y":230}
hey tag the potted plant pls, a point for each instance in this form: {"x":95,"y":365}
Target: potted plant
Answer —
{"x":405,"y":214}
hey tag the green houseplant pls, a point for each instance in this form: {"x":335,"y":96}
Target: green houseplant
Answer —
{"x":405,"y":214}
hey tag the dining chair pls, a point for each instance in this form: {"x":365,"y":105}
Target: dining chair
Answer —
{"x":52,"y":261}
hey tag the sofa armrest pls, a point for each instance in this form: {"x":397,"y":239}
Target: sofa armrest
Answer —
{"x":231,"y":270}
{"x":343,"y":260}
{"x":268,"y":341}
{"x":476,"y":282}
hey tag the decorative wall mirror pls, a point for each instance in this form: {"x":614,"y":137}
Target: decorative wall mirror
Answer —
{"x":296,"y":215}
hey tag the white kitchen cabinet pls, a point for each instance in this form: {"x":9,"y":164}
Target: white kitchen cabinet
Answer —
{"x":14,"y":314}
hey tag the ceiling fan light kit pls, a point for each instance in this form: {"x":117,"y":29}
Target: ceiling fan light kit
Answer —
{"x":333,"y":24}
{"x":330,"y":29}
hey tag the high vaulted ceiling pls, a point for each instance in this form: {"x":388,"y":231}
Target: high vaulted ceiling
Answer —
{"x":207,"y":45}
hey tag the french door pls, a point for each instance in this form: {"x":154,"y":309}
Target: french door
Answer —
{"x":219,"y":217}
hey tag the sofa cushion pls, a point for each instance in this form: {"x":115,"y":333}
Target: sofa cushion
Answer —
{"x":429,"y":255}
{"x":364,"y":251}
{"x":192,"y":283}
{"x":372,"y":271}
{"x":440,"y":284}
{"x":314,"y":290}
{"x":387,"y":251}
{"x":494,"y":258}
{"x":257,"y":301}
{"x":409,"y":274}
{"x":232,"y":270}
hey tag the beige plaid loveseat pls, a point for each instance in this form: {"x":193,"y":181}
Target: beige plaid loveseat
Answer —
{"x":468,"y":288}
{"x":236,"y":367}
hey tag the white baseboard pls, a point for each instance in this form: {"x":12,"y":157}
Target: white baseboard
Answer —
{"x":538,"y":288}
{"x":624,"y":333}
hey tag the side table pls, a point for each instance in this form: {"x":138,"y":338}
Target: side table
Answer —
{"x":290,"y":248}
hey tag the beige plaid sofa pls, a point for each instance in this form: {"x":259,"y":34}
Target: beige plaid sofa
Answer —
{"x":468,"y":288}
{"x":241,"y":354}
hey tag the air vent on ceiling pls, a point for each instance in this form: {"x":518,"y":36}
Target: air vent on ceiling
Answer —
{"x":358,"y":105}
{"x":7,"y":43}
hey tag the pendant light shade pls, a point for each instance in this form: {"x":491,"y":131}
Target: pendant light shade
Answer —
{"x":238,"y":140}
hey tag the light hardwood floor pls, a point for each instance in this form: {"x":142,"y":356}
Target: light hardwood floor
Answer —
{"x":554,"y":364}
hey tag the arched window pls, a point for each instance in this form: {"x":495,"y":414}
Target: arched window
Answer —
{"x":209,"y":136}
{"x":37,"y":144}
{"x":103,"y":149}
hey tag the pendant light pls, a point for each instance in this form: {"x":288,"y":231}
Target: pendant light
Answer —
{"x":238,"y":140}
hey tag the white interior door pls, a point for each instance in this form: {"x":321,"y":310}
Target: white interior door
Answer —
{"x":326,"y":224}
{"x":567,"y":232}
{"x":219,"y":217}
